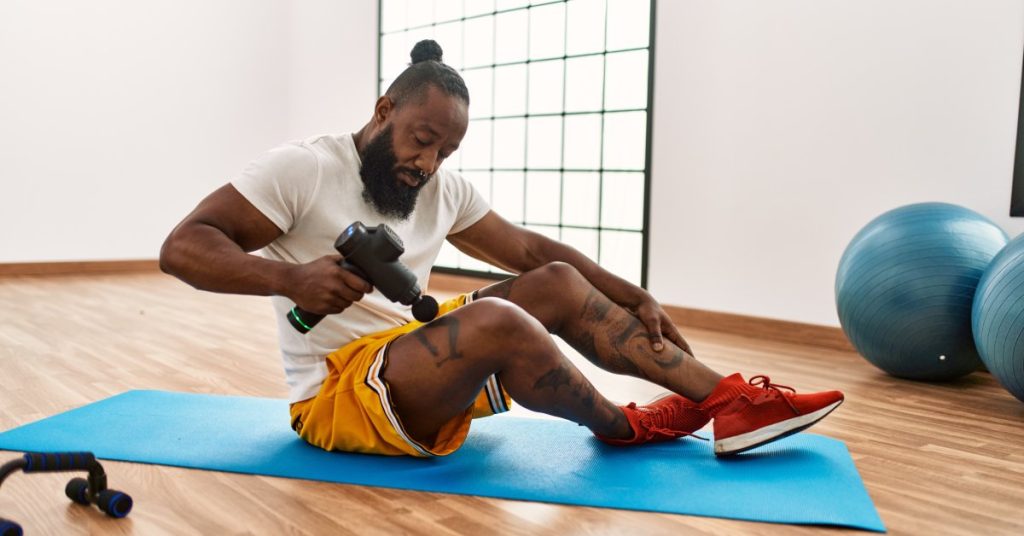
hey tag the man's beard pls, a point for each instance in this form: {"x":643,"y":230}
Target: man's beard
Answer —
{"x":381,"y":187}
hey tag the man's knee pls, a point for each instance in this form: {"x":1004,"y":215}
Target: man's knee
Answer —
{"x":503,"y":326}
{"x":495,"y":317}
{"x":511,"y":335}
{"x":555,"y":277}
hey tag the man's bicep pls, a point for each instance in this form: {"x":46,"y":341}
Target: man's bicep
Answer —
{"x":230,"y":212}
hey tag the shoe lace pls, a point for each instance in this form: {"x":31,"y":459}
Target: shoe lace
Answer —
{"x":659,"y":420}
{"x":774,"y":390}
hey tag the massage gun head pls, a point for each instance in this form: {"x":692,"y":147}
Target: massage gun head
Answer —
{"x":425,"y":309}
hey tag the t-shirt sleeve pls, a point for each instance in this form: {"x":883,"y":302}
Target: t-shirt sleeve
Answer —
{"x":281,"y":183}
{"x":469,"y":205}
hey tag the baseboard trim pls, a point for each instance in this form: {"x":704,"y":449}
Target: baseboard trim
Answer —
{"x":78,"y":267}
{"x":750,"y":326}
{"x":760,"y":327}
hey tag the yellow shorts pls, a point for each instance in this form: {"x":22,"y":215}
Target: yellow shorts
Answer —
{"x":353,"y":410}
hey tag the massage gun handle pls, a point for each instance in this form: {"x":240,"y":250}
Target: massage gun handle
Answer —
{"x":303,"y":320}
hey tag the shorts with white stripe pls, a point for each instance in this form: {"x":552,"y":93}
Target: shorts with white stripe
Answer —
{"x":353,"y":411}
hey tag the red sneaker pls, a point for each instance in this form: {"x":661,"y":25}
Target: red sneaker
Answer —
{"x":750,"y":415}
{"x":668,"y":416}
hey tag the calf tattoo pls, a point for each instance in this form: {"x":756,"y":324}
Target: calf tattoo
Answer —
{"x":554,"y":378}
{"x":451,"y":324}
{"x":632,"y":332}
{"x":562,"y":376}
{"x":585,"y":341}
{"x":669,"y":361}
{"x":627,"y":337}
{"x":595,"y":308}
{"x":636,"y":335}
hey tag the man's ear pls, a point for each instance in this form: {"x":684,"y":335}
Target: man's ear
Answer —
{"x":384,"y":107}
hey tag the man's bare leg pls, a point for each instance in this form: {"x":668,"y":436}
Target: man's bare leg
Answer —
{"x":438,"y":370}
{"x":571,"y":307}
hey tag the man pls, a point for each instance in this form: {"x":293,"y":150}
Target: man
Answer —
{"x":370,"y":379}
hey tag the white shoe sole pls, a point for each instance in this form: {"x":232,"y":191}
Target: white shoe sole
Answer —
{"x":779,"y":430}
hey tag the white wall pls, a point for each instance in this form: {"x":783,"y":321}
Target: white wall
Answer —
{"x":117,"y":116}
{"x":780,"y":127}
{"x":783,"y":127}
{"x":332,"y":77}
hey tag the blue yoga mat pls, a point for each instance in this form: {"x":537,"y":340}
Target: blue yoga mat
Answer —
{"x":803,"y":479}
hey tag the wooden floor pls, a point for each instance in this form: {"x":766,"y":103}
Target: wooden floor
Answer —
{"x":936,"y":458}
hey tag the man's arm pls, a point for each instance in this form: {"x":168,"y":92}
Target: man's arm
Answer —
{"x":210,"y":250}
{"x":516,"y":249}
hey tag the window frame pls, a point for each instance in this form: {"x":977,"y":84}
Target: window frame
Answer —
{"x":1017,"y":189}
{"x":644,"y":230}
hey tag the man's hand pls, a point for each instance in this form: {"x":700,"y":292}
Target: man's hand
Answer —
{"x":324,"y":287}
{"x":658,"y":324}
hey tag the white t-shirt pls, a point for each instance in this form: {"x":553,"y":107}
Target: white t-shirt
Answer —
{"x":312,"y":191}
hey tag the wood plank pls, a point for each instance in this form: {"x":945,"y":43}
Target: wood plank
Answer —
{"x":759,"y":327}
{"x":78,"y":267}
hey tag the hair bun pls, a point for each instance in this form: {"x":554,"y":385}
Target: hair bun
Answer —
{"x":427,"y":49}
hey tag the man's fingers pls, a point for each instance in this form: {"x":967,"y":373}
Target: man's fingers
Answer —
{"x":681,"y":343}
{"x":356,"y":282}
{"x":673,"y":334}
{"x":677,"y":338}
{"x":348,"y":294}
{"x":653,"y":324}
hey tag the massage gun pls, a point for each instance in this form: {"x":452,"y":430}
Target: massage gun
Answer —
{"x":115,"y":503}
{"x":372,"y":254}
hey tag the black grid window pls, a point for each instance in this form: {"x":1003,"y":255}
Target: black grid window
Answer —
{"x":1017,"y":191}
{"x":560,"y":93}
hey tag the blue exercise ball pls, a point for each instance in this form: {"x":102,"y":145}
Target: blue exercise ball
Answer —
{"x":998,"y":317}
{"x":906,"y":284}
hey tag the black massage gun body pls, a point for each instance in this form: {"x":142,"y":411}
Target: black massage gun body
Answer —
{"x":372,"y":254}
